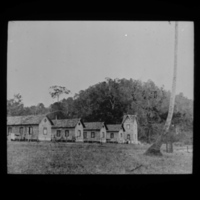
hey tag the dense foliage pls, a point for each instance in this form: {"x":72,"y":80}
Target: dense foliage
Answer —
{"x":109,"y":100}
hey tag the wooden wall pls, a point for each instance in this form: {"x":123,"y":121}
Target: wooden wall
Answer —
{"x":71,"y":134}
{"x":25,"y":135}
{"x":114,"y":139}
{"x":89,"y":134}
{"x":103,"y":130}
{"x":121,"y":136}
{"x":44,"y":124}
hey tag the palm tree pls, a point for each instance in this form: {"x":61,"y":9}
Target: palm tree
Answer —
{"x":154,"y":149}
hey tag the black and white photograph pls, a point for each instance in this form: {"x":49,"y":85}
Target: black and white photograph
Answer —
{"x":100,"y":97}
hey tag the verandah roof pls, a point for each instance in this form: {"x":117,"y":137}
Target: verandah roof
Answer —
{"x":65,"y":123}
{"x":114,"y":127}
{"x":93,"y":125}
{"x":24,"y":120}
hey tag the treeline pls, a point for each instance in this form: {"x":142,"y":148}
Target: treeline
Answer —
{"x":109,"y":100}
{"x":15,"y":107}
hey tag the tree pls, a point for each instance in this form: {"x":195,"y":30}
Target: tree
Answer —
{"x":40,"y":109}
{"x":33,"y":110}
{"x":68,"y":107}
{"x":15,"y":106}
{"x":56,"y":91}
{"x":155,"y":148}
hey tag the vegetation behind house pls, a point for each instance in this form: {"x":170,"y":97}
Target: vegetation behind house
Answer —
{"x":109,"y":100}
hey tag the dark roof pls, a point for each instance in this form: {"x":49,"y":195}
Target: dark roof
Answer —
{"x":114,"y":127}
{"x":66,"y":122}
{"x":22,"y":120}
{"x":93,"y":125}
{"x":132,"y":117}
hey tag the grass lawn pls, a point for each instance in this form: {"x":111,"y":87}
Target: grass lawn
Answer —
{"x":87,"y":158}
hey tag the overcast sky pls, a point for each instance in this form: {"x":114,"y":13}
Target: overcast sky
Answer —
{"x":78,"y":54}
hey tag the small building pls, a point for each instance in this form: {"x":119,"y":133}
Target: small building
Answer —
{"x":67,"y":130}
{"x":24,"y":127}
{"x":95,"y":132}
{"x":129,"y":123}
{"x":115,"y":133}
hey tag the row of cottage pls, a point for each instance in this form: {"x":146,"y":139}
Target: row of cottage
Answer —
{"x":42,"y":128}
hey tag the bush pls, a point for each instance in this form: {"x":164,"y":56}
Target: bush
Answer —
{"x":185,"y":137}
{"x":142,"y":134}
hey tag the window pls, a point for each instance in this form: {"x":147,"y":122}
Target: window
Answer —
{"x":85,"y":135}
{"x":58,"y":133}
{"x":121,"y":135}
{"x":30,"y":130}
{"x":45,"y":131}
{"x":93,"y":135}
{"x":112,"y":135}
{"x":128,"y":137}
{"x":66,"y":133}
{"x":128,"y":126}
{"x":45,"y":120}
{"x":79,"y":133}
{"x":103,"y":134}
{"x":21,"y":130}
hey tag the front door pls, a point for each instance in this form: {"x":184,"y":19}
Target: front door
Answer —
{"x":128,"y":138}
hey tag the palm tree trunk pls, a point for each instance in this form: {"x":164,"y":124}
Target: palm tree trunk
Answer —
{"x":155,"y":148}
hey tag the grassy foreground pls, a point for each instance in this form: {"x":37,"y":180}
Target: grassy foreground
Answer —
{"x":83,"y":158}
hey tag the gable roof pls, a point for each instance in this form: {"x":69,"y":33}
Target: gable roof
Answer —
{"x":94,"y":125}
{"x":131,"y":117}
{"x":23,"y":120}
{"x":115,"y":127}
{"x":70,"y":123}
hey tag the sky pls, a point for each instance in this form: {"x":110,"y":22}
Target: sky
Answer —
{"x":78,"y":54}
